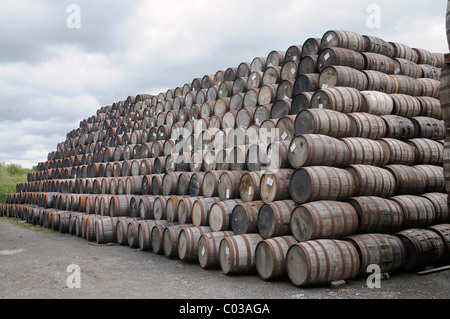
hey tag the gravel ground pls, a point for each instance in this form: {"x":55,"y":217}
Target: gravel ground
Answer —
{"x":34,"y":261}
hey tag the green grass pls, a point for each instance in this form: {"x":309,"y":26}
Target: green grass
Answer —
{"x":10,"y":176}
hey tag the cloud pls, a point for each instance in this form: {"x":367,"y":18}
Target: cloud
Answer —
{"x":52,"y":77}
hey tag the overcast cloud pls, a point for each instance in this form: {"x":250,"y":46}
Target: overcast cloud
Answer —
{"x":52,"y":77}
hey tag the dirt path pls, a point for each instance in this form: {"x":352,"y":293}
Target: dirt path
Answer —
{"x":34,"y":261}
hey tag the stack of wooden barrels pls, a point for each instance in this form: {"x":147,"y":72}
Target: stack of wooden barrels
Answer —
{"x":310,"y":164}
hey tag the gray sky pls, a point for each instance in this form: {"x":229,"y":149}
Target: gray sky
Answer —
{"x":53,"y":76}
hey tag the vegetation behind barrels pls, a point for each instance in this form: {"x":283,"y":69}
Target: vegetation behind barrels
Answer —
{"x":10,"y":176}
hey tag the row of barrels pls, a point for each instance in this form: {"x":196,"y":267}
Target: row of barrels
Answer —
{"x":229,"y":115}
{"x":302,"y":185}
{"x":304,"y":263}
{"x":320,"y":219}
{"x":311,"y":47}
{"x":285,"y":129}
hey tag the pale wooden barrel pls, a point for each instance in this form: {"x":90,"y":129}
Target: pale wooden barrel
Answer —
{"x":274,"y":185}
{"x":372,"y":181}
{"x":366,"y":151}
{"x":170,"y":239}
{"x":409,"y":180}
{"x":324,"y":220}
{"x":188,"y":242}
{"x":417,"y":211}
{"x":319,"y":183}
{"x":323,"y":121}
{"x":208,"y":248}
{"x":145,"y":233}
{"x":406,"y":105}
{"x":377,"y":103}
{"x":249,"y":186}
{"x":220,"y":214}
{"x":317,"y":150}
{"x":201,"y":209}
{"x":343,"y":39}
{"x":270,"y":257}
{"x":344,"y":76}
{"x":341,"y":99}
{"x":398,"y":152}
{"x":157,"y":233}
{"x":237,"y":253}
{"x":322,"y":261}
{"x":367,"y":125}
{"x":340,"y":56}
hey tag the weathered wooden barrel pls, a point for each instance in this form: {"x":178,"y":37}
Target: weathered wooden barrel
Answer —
{"x":427,"y":127}
{"x":343,"y":39}
{"x":406,"y":105}
{"x":119,"y":205}
{"x":156,"y":185}
{"x":183,"y":183}
{"x":398,"y":151}
{"x":406,"y":85}
{"x":407,"y":67}
{"x":274,"y":185}
{"x":434,"y":176}
{"x":254,"y":80}
{"x":195,"y":184}
{"x":188,"y":242}
{"x":323,"y":121}
{"x":404,"y":52}
{"x":317,"y":150}
{"x":208,"y":248}
{"x":249,"y":186}
{"x":423,"y":248}
{"x":324,"y":220}
{"x":340,"y":56}
{"x":270,"y":257}
{"x":293,"y":53}
{"x":277,"y":154}
{"x":431,"y":107}
{"x":341,"y":99}
{"x":322,"y":261}
{"x":220,"y":214}
{"x":418,"y":211}
{"x":366,"y":151}
{"x":274,"y":218}
{"x":145,"y":207}
{"x":372,"y":181}
{"x":378,"y":62}
{"x":344,"y":76}
{"x":440,"y":204}
{"x":201,"y":209}
{"x":320,"y":183}
{"x":170,"y":239}
{"x":308,"y":82}
{"x":308,"y":65}
{"x":409,"y":180}
{"x":122,"y":230}
{"x":377,"y":214}
{"x":237,"y":253}
{"x":386,"y":251}
{"x":429,"y":87}
{"x":275,"y":58}
{"x":211,"y":182}
{"x":301,"y":101}
{"x":172,"y":208}
{"x":244,"y":217}
{"x":377,"y":103}
{"x":132,"y":233}
{"x":398,"y":127}
{"x":106,"y":230}
{"x":367,"y":125}
{"x":311,"y":46}
{"x":184,"y":210}
{"x":285,"y":127}
{"x":382,"y":82}
{"x":145,"y":232}
{"x":156,"y":235}
{"x":378,"y":45}
{"x":443,"y":230}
